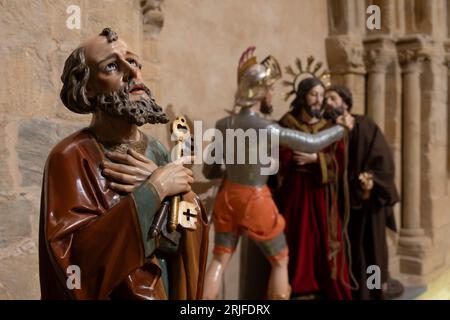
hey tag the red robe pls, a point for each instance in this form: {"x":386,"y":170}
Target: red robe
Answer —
{"x":307,"y":197}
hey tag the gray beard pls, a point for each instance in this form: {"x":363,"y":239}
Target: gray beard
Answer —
{"x":118,"y":104}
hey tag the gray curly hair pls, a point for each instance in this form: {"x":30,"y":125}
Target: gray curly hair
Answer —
{"x":75,"y":77}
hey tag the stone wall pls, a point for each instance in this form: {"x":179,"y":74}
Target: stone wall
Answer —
{"x":199,"y":48}
{"x":401,"y":82}
{"x":190,"y":51}
{"x":34,"y":44}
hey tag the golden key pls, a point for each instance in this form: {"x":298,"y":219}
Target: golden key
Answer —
{"x":182,"y":213}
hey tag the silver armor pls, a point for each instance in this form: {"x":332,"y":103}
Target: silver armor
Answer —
{"x":250,"y":174}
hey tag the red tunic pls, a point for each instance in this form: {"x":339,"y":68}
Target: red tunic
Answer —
{"x":308,"y":199}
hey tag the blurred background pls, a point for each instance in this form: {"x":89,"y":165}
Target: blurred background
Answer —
{"x":190,"y":50}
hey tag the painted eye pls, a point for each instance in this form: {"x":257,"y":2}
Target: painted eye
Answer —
{"x":111,"y":67}
{"x":134,"y":63}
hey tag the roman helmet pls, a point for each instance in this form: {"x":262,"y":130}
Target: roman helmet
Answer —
{"x":255,"y":79}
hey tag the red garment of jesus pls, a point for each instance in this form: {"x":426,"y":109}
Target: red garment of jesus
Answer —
{"x":308,"y":199}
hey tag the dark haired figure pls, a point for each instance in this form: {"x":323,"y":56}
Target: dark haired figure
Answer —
{"x":307,"y":196}
{"x":104,"y":184}
{"x":244,"y":203}
{"x":371,"y":175}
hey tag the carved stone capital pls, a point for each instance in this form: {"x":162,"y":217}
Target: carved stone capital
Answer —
{"x":447,"y":63}
{"x":447,"y":54}
{"x":345,"y":55}
{"x":379,"y":53}
{"x":377,"y":60}
{"x":153,"y":17}
{"x":411,"y":59}
{"x":412,"y":51}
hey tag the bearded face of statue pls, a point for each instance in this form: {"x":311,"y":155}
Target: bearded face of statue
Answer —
{"x":334,"y":105}
{"x":104,"y":75}
{"x":309,"y":98}
{"x":314,"y":101}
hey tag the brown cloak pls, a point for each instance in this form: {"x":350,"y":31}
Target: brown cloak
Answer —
{"x":369,"y":152}
{"x":84,"y":223}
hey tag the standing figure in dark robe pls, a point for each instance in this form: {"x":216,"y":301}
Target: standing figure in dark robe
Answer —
{"x":307,"y":197}
{"x":104,"y":184}
{"x":371,"y":178}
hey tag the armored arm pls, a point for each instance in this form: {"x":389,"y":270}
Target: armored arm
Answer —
{"x":306,"y":142}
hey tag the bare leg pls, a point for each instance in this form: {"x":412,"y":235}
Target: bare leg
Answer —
{"x":279,"y":288}
{"x":214,"y":275}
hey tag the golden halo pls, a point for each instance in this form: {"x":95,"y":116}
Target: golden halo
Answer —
{"x":312,"y":70}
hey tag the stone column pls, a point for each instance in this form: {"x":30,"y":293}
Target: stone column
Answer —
{"x":447,"y":64}
{"x":153,"y":21}
{"x":152,"y":24}
{"x":384,"y":106}
{"x":411,"y":138}
{"x":412,"y":242}
{"x":378,"y":56}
